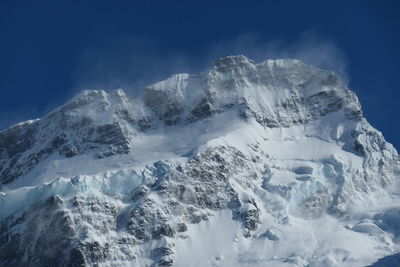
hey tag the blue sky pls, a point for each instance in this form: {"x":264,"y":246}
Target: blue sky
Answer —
{"x":49,"y":50}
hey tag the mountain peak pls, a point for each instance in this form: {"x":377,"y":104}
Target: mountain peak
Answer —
{"x":263,"y":89}
{"x":274,"y":93}
{"x":275,"y":152}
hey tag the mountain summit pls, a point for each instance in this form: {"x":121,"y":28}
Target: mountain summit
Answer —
{"x":245,"y":164}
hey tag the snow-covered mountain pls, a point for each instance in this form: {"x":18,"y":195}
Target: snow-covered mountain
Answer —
{"x":246,"y":164}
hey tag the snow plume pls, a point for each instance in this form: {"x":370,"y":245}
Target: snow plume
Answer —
{"x":33,"y":111}
{"x":133,"y":62}
{"x":9,"y":118}
{"x":128,"y":62}
{"x":311,"y":47}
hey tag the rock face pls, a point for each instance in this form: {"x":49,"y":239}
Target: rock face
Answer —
{"x":246,"y":164}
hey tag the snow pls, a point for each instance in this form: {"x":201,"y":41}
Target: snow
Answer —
{"x":210,"y":243}
{"x":292,"y":153}
{"x":322,"y":242}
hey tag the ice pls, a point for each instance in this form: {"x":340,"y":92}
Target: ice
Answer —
{"x":119,"y":183}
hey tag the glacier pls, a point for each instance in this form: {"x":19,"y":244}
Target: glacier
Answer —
{"x":244,"y":164}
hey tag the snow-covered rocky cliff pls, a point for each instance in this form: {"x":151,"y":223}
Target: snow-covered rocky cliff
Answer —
{"x":246,"y":164}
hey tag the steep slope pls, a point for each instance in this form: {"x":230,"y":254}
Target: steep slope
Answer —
{"x":246,"y":164}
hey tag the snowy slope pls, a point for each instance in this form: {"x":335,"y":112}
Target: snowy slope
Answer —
{"x":246,"y":164}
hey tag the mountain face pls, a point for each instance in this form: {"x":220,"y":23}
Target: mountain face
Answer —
{"x":246,"y":164}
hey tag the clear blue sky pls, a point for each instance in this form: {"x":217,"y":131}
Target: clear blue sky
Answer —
{"x":51,"y":49}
